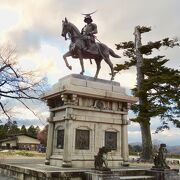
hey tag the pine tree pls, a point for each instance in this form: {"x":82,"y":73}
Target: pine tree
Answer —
{"x":158,"y":87}
{"x":13,"y":128}
{"x":32,"y":131}
{"x":23,"y":129}
{"x":3,"y":132}
{"x":37,"y":130}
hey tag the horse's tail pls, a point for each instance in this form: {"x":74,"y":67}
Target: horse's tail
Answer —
{"x":113,"y":54}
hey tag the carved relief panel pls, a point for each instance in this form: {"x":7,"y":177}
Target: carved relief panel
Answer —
{"x":55,"y":102}
{"x":111,"y":140}
{"x":82,"y":139}
{"x":60,"y":139}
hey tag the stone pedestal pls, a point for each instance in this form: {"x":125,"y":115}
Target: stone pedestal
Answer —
{"x":99,"y":175}
{"x":165,"y":174}
{"x":86,"y":114}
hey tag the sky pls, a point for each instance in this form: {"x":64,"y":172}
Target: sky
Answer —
{"x":34,"y":28}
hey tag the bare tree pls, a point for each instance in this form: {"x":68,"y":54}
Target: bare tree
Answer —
{"x":16,"y":84}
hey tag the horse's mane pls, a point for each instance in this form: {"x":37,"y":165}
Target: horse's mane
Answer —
{"x":75,"y":28}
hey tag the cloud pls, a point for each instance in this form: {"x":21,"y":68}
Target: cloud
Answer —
{"x":26,"y":117}
{"x":41,"y":21}
{"x":26,"y":41}
{"x":170,"y":137}
{"x":134,"y":136}
{"x":38,"y":22}
{"x":12,"y":18}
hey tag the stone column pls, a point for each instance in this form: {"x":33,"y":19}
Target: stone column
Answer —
{"x":50,"y":138}
{"x":68,"y":137}
{"x":124,"y":139}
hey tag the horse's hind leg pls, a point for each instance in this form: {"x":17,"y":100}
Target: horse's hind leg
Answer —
{"x":81,"y":62}
{"x":105,"y":55}
{"x":65,"y":59}
{"x":98,"y":63}
{"x":108,"y":61}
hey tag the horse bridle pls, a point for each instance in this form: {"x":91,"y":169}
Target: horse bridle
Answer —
{"x":70,"y":34}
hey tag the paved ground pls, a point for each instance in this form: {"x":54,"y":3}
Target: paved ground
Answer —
{"x":20,"y":160}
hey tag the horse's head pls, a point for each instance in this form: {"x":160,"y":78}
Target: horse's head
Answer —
{"x":65,"y":28}
{"x":70,"y":29}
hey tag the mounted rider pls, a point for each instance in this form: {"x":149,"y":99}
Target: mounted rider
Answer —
{"x":89,"y":31}
{"x":98,"y":51}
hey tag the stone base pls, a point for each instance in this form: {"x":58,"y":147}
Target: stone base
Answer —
{"x":47,"y":162}
{"x":67,"y":164}
{"x":87,"y":114}
{"x":166,"y":174}
{"x":42,"y":172}
{"x":118,"y":174}
{"x":83,"y":163}
{"x":125,"y":164}
{"x":101,"y":176}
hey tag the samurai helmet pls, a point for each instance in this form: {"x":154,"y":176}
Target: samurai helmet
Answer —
{"x":88,"y":17}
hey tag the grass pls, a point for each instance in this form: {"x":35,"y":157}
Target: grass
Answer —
{"x":10,"y":153}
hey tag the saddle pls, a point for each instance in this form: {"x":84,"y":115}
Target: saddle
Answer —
{"x":92,"y":48}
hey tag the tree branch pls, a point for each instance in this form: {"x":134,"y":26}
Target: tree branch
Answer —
{"x":2,"y":107}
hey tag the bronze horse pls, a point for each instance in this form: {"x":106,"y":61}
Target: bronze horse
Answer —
{"x":97,"y":51}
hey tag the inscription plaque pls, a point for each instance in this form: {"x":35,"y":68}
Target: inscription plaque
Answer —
{"x":82,"y":139}
{"x":60,"y":139}
{"x":111,"y":140}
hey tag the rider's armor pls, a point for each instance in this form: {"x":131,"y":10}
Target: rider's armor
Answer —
{"x":88,"y":31}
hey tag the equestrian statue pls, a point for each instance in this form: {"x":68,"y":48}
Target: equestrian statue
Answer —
{"x":84,"y":46}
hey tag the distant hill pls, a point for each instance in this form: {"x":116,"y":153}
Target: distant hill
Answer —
{"x":171,"y":149}
{"x":135,"y":143}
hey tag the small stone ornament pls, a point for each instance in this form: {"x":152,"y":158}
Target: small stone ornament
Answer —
{"x":160,"y":158}
{"x":99,"y":104}
{"x":100,"y":162}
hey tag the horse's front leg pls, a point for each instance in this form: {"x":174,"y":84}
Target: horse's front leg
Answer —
{"x":65,"y":59}
{"x":81,"y":62}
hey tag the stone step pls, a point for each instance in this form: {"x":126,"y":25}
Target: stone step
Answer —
{"x":118,"y":174}
{"x":137,"y":178}
{"x":130,"y":172}
{"x":128,"y":178}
